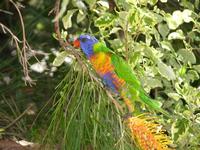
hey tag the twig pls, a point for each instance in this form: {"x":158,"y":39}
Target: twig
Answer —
{"x":4,"y":28}
{"x":23,"y":53}
{"x":6,"y":12}
{"x":18,"y":118}
{"x":114,"y":101}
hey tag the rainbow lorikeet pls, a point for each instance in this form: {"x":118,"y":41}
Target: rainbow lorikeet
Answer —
{"x":114,"y":72}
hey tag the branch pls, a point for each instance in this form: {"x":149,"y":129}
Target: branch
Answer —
{"x":23,"y":52}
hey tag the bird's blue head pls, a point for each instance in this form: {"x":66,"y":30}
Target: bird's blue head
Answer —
{"x":86,"y":43}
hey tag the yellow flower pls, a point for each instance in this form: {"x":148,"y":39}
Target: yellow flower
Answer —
{"x":147,"y":134}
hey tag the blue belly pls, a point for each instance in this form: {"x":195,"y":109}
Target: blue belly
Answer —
{"x":109,"y":81}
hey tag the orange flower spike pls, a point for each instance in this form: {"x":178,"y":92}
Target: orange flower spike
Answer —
{"x":147,"y":134}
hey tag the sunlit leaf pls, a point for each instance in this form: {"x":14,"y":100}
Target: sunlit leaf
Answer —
{"x":104,"y":4}
{"x":187,"y":55}
{"x":67,"y":23}
{"x":81,"y":16}
{"x":167,"y":45}
{"x":187,"y":15}
{"x":163,"y":29}
{"x":60,"y":58}
{"x":163,"y":1}
{"x":175,"y":20}
{"x":192,"y":75}
{"x":179,"y":127}
{"x":176,"y":35}
{"x":166,"y":71}
{"x":105,"y":20}
{"x":91,"y":3}
{"x":174,"y":96}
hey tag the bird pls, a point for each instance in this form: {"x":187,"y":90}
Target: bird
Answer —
{"x":115,"y":73}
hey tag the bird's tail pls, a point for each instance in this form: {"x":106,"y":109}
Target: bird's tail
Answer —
{"x":153,"y":104}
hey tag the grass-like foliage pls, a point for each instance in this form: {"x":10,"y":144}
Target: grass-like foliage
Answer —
{"x":83,"y":117}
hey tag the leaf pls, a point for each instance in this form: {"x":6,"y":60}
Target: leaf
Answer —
{"x":153,"y":83}
{"x":174,"y":96}
{"x":178,"y":128}
{"x":67,"y":23}
{"x":80,"y":4}
{"x":175,"y":20}
{"x":187,"y":55}
{"x":192,"y":75}
{"x":60,"y":58}
{"x":176,"y":35}
{"x":166,"y":71}
{"x":135,"y":57}
{"x":152,"y":53}
{"x":103,"y":3}
{"x":182,"y":70}
{"x":163,"y":1}
{"x":197,"y":68}
{"x":114,"y":30}
{"x":81,"y":16}
{"x":116,"y":44}
{"x":187,"y":15}
{"x":163,"y":29}
{"x":105,"y":20}
{"x":167,"y":45}
{"x":152,"y":2}
{"x":91,"y":3}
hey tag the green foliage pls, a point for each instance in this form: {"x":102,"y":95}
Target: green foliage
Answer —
{"x":83,"y":117}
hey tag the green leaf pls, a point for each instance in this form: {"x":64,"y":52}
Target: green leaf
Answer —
{"x":91,"y":3}
{"x":163,"y":29}
{"x":116,"y":44}
{"x":197,"y":68}
{"x":81,"y":16}
{"x":179,"y":127}
{"x":182,"y":70}
{"x":152,"y":2}
{"x":175,"y":20}
{"x":192,"y":75}
{"x":166,"y":71}
{"x":187,"y":4}
{"x":152,"y":53}
{"x":176,"y":35}
{"x":67,"y":23}
{"x":153,"y":83}
{"x":163,"y":1}
{"x":174,"y":96}
{"x":134,"y":58}
{"x":105,"y":20}
{"x":187,"y":15}
{"x":187,"y":55}
{"x":114,"y":30}
{"x":104,"y":4}
{"x":167,"y":45}
{"x":60,"y":58}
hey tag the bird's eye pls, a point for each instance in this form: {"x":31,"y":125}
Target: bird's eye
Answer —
{"x":83,"y":39}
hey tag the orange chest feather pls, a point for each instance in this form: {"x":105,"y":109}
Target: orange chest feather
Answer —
{"x":102,"y":63}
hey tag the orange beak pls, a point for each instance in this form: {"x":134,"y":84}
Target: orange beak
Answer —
{"x":76,"y":43}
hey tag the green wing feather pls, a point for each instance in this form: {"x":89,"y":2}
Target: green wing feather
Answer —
{"x":124,"y":71}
